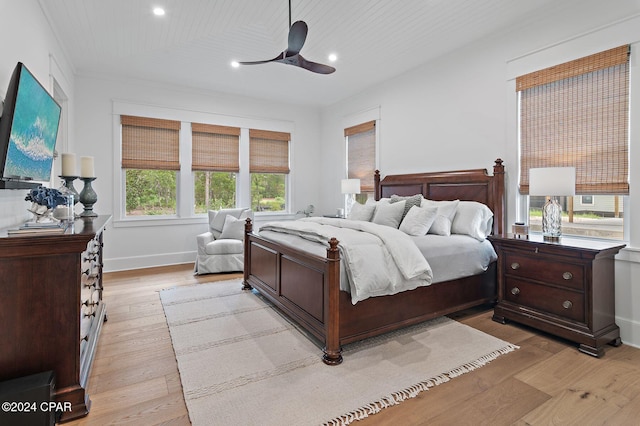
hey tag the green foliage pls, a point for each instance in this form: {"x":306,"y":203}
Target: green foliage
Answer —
{"x":153,"y":192}
{"x":268,"y":192}
{"x":214,"y":191}
{"x":150,"y":192}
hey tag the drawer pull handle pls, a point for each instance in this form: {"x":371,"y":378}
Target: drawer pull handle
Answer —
{"x":515,"y":291}
{"x":567,"y":304}
{"x":515,"y":265}
{"x":567,"y":275}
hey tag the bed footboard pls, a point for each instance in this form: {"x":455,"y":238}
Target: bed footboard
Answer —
{"x":304,"y":286}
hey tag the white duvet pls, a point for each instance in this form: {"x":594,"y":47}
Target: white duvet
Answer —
{"x":379,"y":260}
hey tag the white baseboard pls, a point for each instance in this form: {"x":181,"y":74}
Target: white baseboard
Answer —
{"x":629,"y":332}
{"x":140,"y":262}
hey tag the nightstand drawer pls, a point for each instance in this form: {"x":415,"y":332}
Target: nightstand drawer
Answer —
{"x":564,"y":303}
{"x":541,"y":269}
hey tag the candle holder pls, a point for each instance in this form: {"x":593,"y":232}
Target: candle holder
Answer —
{"x":68,"y":183}
{"x":88,"y":197}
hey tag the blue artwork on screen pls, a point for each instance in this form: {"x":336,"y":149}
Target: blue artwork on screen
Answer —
{"x":33,"y":132}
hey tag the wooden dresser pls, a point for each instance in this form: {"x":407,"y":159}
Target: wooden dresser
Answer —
{"x":564,"y":288}
{"x":51,"y":309}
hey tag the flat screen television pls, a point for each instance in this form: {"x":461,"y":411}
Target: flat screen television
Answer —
{"x":28,"y":131}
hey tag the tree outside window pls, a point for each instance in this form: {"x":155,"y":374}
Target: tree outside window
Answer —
{"x":214,"y":191}
{"x":150,"y":192}
{"x":268,"y":192}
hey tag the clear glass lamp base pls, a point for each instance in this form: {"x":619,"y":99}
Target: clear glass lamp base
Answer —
{"x":351,"y":200}
{"x":551,"y":220}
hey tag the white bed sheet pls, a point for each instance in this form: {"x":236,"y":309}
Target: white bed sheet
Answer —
{"x":455,"y":256}
{"x":450,"y":257}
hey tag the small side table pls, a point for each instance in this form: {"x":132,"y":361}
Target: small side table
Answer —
{"x":565,"y":288}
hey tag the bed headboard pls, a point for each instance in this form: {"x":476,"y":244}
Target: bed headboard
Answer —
{"x":471,"y":185}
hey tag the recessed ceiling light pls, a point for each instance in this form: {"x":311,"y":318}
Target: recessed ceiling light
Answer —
{"x":235,"y":64}
{"x":158,"y":11}
{"x":333,"y":57}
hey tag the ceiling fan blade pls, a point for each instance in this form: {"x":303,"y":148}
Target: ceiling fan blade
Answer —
{"x":277,"y":58}
{"x":314,"y":66}
{"x":297,"y":37}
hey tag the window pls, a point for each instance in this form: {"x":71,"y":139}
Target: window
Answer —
{"x":150,"y":161}
{"x":269,"y":168}
{"x":586,"y":200}
{"x":361,"y":157}
{"x":215,"y":164}
{"x":576,"y":114}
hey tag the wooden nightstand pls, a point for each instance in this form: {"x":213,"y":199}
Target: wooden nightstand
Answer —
{"x":564,"y":288}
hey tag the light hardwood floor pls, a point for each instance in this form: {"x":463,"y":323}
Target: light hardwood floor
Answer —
{"x":547,"y":381}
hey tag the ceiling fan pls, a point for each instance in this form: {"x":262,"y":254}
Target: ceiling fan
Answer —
{"x":291,"y":55}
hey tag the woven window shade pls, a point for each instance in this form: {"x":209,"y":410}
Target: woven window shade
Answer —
{"x":150,"y":143}
{"x":268,"y":151}
{"x":577,"y":115}
{"x":361,"y":154}
{"x":215,"y":148}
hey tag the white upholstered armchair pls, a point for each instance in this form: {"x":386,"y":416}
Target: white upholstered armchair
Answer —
{"x":221,"y":249}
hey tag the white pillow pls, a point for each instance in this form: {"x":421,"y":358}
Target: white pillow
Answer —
{"x":361,"y":212}
{"x":473,"y":219}
{"x":446,"y":213}
{"x":418,"y":220}
{"x":233,"y":229}
{"x":389,"y":214}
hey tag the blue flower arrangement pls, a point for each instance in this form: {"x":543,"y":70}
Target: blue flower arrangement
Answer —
{"x":48,"y":197}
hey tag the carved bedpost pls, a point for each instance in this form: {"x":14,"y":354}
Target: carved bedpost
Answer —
{"x":332,"y":351}
{"x":376,"y":184}
{"x":248,"y":229}
{"x":498,"y":173}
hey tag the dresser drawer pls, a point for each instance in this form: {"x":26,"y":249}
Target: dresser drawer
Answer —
{"x":541,"y":269}
{"x":564,"y":303}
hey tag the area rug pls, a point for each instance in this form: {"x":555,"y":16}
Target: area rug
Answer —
{"x":243,"y":363}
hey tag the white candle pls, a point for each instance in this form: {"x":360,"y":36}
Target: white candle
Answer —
{"x":68,"y":164}
{"x":86,"y":167}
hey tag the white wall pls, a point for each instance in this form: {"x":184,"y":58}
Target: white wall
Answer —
{"x":458,"y":112}
{"x":27,"y":38}
{"x":154,"y":243}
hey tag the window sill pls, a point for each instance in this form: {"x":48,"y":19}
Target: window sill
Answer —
{"x":133,"y":222}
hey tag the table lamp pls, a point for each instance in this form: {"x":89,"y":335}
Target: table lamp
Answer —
{"x":552,"y":182}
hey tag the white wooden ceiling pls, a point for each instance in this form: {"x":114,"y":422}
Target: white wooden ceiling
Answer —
{"x":195,"y":42}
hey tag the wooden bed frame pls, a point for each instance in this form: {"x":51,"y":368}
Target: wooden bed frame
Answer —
{"x":306,"y":287}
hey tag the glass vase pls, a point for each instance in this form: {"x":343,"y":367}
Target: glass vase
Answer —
{"x":551,"y":220}
{"x":42,"y":214}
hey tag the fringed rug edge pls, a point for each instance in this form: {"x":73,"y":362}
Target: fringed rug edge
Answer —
{"x":412,"y":391}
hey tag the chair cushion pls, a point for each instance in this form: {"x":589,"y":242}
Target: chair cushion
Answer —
{"x":216,"y":218}
{"x":227,"y":246}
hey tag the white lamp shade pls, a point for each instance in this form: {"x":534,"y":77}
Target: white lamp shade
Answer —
{"x":552,"y":181}
{"x":350,"y":186}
